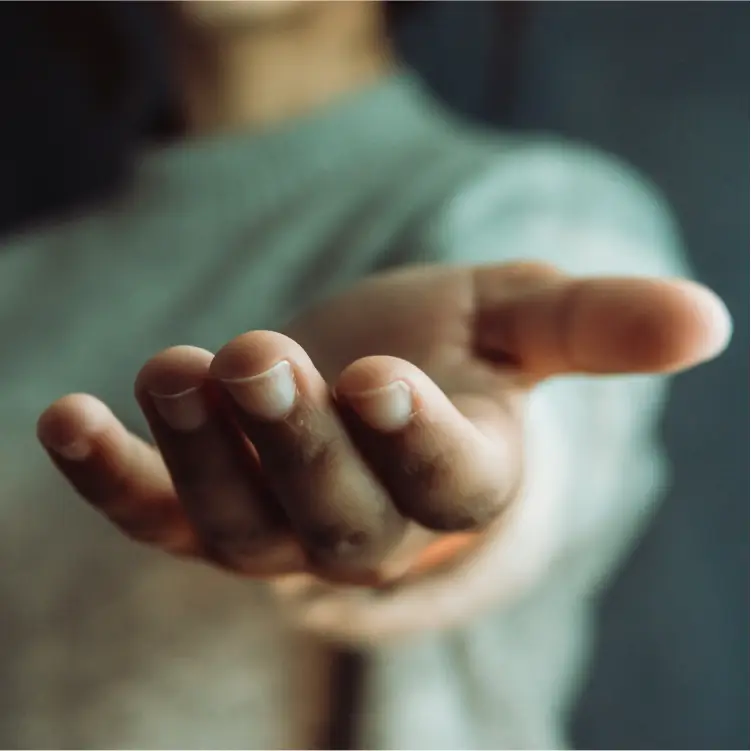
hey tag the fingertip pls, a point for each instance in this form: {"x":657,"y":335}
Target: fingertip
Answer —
{"x":68,"y":425}
{"x":255,"y":352}
{"x":375,"y":372}
{"x":714,"y":324}
{"x":174,"y":370}
{"x":384,"y":391}
{"x":638,"y":325}
{"x":691,"y":325}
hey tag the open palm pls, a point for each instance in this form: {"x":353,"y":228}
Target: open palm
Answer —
{"x":393,"y":409}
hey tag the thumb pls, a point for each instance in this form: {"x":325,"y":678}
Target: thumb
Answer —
{"x":546,"y":323}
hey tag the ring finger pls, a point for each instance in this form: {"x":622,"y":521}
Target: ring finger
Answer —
{"x":214,"y":470}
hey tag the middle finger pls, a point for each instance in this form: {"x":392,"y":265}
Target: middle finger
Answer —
{"x":344,"y":517}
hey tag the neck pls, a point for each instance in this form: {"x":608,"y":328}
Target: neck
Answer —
{"x":270,"y":71}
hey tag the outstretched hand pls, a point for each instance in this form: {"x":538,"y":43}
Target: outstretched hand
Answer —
{"x":382,"y":420}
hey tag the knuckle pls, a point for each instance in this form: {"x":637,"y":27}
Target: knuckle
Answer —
{"x":450,"y":513}
{"x":336,"y":541}
{"x":302,"y":455}
{"x":235,"y":548}
{"x":151,"y":526}
{"x":428,"y":475}
{"x":434,"y":495}
{"x":108,"y":493}
{"x":251,"y":547}
{"x":198,"y":474}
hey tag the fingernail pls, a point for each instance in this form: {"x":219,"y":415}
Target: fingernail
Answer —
{"x":74,"y":451}
{"x":184,"y":411}
{"x":92,"y":419}
{"x":387,"y":408}
{"x":269,"y":395}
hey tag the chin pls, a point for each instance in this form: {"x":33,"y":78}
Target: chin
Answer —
{"x":228,"y":14}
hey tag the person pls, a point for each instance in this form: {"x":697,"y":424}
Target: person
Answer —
{"x":403,"y":377}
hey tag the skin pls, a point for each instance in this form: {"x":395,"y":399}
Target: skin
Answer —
{"x":326,"y":486}
{"x":253,"y":64}
{"x":333,"y":484}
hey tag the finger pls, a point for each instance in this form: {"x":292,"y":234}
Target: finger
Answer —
{"x":117,"y":473}
{"x":213,"y":469}
{"x":445,"y":470}
{"x":547,"y":324}
{"x":342,"y":515}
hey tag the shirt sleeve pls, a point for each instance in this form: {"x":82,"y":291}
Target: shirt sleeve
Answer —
{"x":594,"y":466}
{"x":589,"y":215}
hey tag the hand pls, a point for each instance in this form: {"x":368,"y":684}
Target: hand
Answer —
{"x":394,"y":409}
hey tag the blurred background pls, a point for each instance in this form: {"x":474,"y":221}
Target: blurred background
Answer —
{"x":664,"y":85}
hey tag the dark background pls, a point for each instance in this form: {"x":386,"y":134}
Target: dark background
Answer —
{"x":664,"y":85}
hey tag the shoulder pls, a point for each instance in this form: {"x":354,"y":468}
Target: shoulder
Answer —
{"x":49,"y":232}
{"x":519,"y":197}
{"x":46,"y":258}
